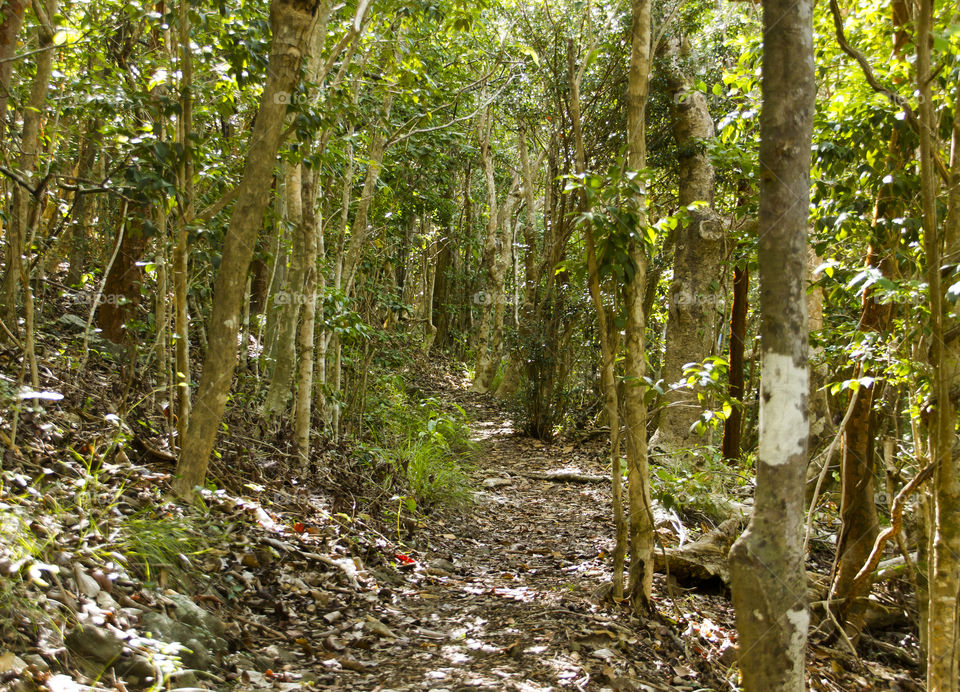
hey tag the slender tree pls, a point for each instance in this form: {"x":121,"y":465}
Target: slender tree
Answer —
{"x":292,"y":22}
{"x":768,"y":579}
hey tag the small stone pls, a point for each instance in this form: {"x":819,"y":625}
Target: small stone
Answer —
{"x":496,"y":482}
{"x":95,"y":643}
{"x":88,"y":585}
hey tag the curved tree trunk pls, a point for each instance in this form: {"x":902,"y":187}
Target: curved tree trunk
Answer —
{"x":768,"y":578}
{"x":858,"y":511}
{"x":292,"y":22}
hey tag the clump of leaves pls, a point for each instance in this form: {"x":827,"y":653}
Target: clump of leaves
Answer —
{"x":433,"y":473}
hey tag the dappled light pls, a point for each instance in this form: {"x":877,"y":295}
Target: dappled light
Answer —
{"x":502,"y":345}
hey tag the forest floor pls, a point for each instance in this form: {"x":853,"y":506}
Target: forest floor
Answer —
{"x":271,"y":585}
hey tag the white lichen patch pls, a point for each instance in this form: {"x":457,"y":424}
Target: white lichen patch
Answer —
{"x":800,"y":619}
{"x":783,"y":414}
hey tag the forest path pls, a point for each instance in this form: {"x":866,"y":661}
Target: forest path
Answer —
{"x":506,"y":599}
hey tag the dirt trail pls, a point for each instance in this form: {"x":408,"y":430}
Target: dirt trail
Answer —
{"x":507,"y":600}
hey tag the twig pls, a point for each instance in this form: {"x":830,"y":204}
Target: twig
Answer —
{"x":266,"y":628}
{"x":896,"y":523}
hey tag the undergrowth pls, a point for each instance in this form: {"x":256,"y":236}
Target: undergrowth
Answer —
{"x":52,"y":527}
{"x":704,"y":485}
{"x":426,"y":444}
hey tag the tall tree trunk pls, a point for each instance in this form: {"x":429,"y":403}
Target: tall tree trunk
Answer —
{"x":698,"y":254}
{"x":292,"y":22}
{"x":944,"y":580}
{"x":609,"y":339}
{"x":85,"y":205}
{"x":430,"y":253}
{"x":733,"y":426}
{"x":858,"y":512}
{"x":33,"y":112}
{"x":10,"y":23}
{"x":494,"y":271}
{"x":292,"y":295}
{"x":768,"y":578}
{"x":121,"y":290}
{"x":358,"y":229}
{"x":181,"y":250}
{"x":531,"y":279}
{"x":634,"y":407}
{"x":821,"y":427}
{"x":305,"y":339}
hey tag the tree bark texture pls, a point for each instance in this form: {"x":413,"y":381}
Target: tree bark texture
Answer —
{"x":768,"y":579}
{"x":33,"y":112}
{"x":698,"y":254}
{"x":292,"y":22}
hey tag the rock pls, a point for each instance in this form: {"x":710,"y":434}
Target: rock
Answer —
{"x":136,"y":670}
{"x":193,"y":654}
{"x":11,"y":663}
{"x":189,"y":613}
{"x":186,"y":679}
{"x":37,"y":661}
{"x":199,"y":631}
{"x":275,"y":653}
{"x":72,"y":323}
{"x":442,"y":564}
{"x":95,"y":644}
{"x":379,"y":628}
{"x":88,"y":586}
{"x":496,"y":482}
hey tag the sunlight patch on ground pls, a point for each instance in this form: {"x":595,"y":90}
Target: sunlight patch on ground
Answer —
{"x":489,"y":429}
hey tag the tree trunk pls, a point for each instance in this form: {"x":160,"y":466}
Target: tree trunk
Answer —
{"x":494,"y":271}
{"x":944,"y":579}
{"x":305,"y":339}
{"x":821,"y":427}
{"x":698,"y":255}
{"x":33,"y":112}
{"x":609,"y":340}
{"x":85,"y":206}
{"x":429,"y":284}
{"x":358,"y":230}
{"x":634,"y":407}
{"x":733,"y":426}
{"x":292,"y":297}
{"x":121,"y":290}
{"x":181,"y":250}
{"x":291,"y":22}
{"x":12,"y":19}
{"x":768,"y":578}
{"x":858,"y":511}
{"x":511,"y":378}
